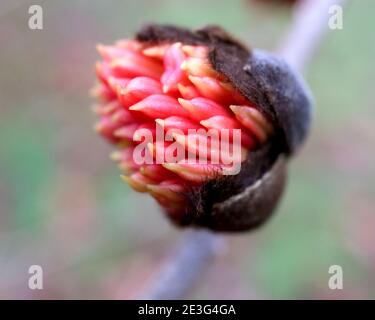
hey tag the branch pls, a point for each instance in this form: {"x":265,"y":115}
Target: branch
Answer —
{"x":181,"y":270}
{"x":310,"y":23}
{"x":198,"y":248}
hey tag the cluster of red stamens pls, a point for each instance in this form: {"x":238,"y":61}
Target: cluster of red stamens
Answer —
{"x":173,"y":86}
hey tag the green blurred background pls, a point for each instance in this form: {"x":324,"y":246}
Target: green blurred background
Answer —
{"x":64,"y":207}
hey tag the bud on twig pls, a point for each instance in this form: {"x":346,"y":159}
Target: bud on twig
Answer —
{"x":203,"y":80}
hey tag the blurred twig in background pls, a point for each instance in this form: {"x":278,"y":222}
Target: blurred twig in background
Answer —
{"x":310,"y":22}
{"x":198,"y":248}
{"x":181,"y":270}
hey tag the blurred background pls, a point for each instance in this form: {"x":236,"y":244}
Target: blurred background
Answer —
{"x":64,"y":207}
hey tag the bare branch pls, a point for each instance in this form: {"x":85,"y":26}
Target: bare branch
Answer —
{"x":310,"y":23}
{"x":181,"y":270}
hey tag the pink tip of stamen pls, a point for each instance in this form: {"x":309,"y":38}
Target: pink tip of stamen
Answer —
{"x":180,"y":123}
{"x":199,"y":67}
{"x":195,"y":51}
{"x":174,"y":57}
{"x":202,"y":108}
{"x":212,"y":89}
{"x":245,"y":116}
{"x":159,"y":106}
{"x":157,"y":52}
{"x":188,"y":91}
{"x":133,"y":64}
{"x":156,"y":172}
{"x":138,"y":89}
{"x":138,"y":181}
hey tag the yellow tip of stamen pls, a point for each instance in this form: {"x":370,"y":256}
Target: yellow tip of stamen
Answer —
{"x":136,"y":107}
{"x":184,"y":65}
{"x":126,"y":179}
{"x":183,"y":90}
{"x":115,"y":156}
{"x":171,"y":166}
{"x":180,"y":86}
{"x":187,"y":105}
{"x":118,"y":62}
{"x":235,"y":108}
{"x":124,"y":144}
{"x":122,"y":90}
{"x":98,"y":128}
{"x":157,"y":51}
{"x":188,"y":50}
{"x":160,"y":122}
{"x":194,"y":79}
{"x":184,"y":103}
{"x":153,"y":51}
{"x":166,"y":193}
{"x":179,"y":138}
{"x":227,"y":86}
{"x":204,"y":123}
{"x":111,"y":80}
{"x":137,"y":136}
{"x":136,"y":185}
{"x":114,"y":85}
{"x":152,"y":187}
{"x":115,"y":117}
{"x":150,"y":147}
{"x":100,"y":48}
{"x":98,"y":66}
{"x":118,"y":133}
{"x":94,"y":92}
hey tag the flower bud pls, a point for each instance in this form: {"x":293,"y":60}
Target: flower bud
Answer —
{"x":249,"y":112}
